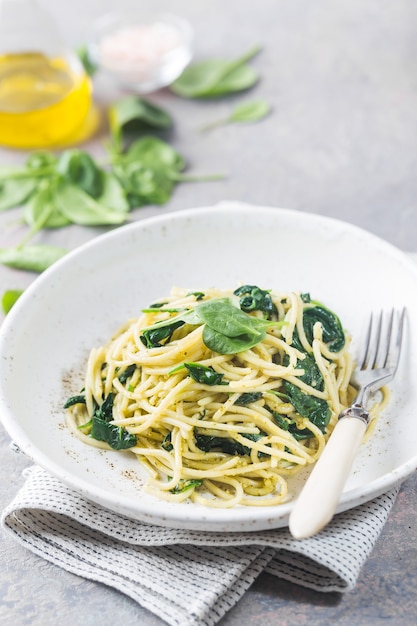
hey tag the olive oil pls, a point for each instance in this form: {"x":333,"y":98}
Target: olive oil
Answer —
{"x":43,"y":101}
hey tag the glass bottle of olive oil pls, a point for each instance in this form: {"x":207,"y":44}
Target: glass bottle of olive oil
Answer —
{"x":45,"y":95}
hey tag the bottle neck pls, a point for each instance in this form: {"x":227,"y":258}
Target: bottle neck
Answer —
{"x":25,"y":26}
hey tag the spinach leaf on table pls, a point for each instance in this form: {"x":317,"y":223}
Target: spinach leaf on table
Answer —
{"x":41,"y":211}
{"x":80,"y":208}
{"x":132,"y":115}
{"x":148,"y":171}
{"x":216,"y":77}
{"x":9,"y":299}
{"x":113,"y":195}
{"x":78,"y":167}
{"x":35,"y":258}
{"x":15,"y":191}
{"x":253,"y":111}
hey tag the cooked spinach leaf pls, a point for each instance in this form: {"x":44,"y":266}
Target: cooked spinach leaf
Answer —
{"x":105,"y":410}
{"x":333,"y":334}
{"x":209,"y":443}
{"x":127,"y":373}
{"x":116,"y":437}
{"x":153,"y":337}
{"x":186,"y":485}
{"x":290,"y":425}
{"x":79,"y":399}
{"x":248,"y":397}
{"x":312,"y":375}
{"x":199,"y":295}
{"x":166,"y":444}
{"x":315,"y":409}
{"x":252,"y":298}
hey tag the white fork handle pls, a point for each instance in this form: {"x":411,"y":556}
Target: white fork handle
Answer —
{"x":318,"y":500}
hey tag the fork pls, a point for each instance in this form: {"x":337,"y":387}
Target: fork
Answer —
{"x":318,"y":500}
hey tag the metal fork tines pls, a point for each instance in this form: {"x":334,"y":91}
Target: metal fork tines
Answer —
{"x":381,"y":353}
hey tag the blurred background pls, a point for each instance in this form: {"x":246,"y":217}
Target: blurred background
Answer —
{"x":342,"y":80}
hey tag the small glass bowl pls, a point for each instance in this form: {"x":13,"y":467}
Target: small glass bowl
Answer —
{"x":142,"y":52}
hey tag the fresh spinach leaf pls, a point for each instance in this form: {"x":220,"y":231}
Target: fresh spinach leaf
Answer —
{"x":89,"y":65}
{"x":41,"y":211}
{"x":216,"y":77}
{"x":154,"y":153}
{"x":15,"y":191}
{"x":134,"y":114}
{"x":223,"y":344}
{"x":31,"y":258}
{"x":78,"y":168}
{"x":148,"y":171}
{"x":80,"y":208}
{"x":113,"y":195}
{"x":253,"y":111}
{"x":9,"y":299}
{"x":250,"y":111}
{"x":227,"y":329}
{"x":226,"y":318}
{"x":42,"y":160}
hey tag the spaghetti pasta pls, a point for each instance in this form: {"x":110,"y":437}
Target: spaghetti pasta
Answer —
{"x":222,"y":395}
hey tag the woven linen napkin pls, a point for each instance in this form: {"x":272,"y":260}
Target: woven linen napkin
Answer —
{"x":187,"y":578}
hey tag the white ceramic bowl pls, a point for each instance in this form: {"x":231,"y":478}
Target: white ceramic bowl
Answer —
{"x":83,"y":298}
